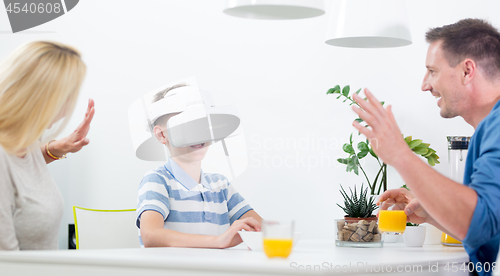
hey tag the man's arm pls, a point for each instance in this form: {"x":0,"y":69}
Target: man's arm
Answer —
{"x":154,"y":235}
{"x":451,"y":204}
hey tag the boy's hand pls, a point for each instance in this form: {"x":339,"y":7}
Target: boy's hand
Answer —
{"x":231,"y":237}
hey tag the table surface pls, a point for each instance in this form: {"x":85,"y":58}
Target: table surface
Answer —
{"x":307,"y":256}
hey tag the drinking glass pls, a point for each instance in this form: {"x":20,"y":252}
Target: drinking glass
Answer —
{"x":278,"y":238}
{"x":392,"y":217}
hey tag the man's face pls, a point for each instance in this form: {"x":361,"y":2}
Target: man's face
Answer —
{"x":444,"y":82}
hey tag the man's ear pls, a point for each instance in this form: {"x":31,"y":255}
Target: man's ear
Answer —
{"x":159,"y":134}
{"x":469,"y":71}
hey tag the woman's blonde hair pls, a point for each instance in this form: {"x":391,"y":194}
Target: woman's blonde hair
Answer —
{"x":39,"y":82}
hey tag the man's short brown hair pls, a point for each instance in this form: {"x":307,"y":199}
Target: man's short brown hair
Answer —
{"x":470,"y":38}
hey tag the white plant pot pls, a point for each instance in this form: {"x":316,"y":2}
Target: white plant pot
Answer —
{"x":432,"y":234}
{"x":389,"y":238}
{"x":414,"y":236}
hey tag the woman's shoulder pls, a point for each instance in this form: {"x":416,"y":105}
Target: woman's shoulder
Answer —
{"x":4,"y":157}
{"x":5,"y":167}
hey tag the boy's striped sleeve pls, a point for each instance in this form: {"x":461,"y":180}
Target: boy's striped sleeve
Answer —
{"x":152,"y":195}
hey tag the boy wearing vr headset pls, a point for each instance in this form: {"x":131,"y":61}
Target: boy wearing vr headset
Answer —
{"x":181,"y":206}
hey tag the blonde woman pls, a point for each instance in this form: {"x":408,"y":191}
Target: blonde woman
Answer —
{"x":39,"y":86}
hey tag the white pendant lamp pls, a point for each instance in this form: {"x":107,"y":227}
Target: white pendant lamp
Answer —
{"x":274,"y":9}
{"x":368,"y":24}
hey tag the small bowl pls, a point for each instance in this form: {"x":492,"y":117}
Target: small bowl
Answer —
{"x":255,"y":240}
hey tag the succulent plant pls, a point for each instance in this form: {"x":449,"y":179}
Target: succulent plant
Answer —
{"x":357,"y":205}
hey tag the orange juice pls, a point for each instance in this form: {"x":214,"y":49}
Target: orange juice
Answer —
{"x":278,"y":247}
{"x":449,"y":240}
{"x":392,"y":221}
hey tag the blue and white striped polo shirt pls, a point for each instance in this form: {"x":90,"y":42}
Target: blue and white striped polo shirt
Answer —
{"x":206,"y":208}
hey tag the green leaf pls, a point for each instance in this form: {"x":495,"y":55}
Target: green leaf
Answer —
{"x":362,"y":146}
{"x":339,"y":97}
{"x":355,"y":160}
{"x":345,"y":90}
{"x":372,"y":153}
{"x":431,"y":161}
{"x":352,"y":164}
{"x":342,"y":161}
{"x":359,"y":90}
{"x":362,"y":154}
{"x":382,"y":103}
{"x":420,"y":147}
{"x":350,"y":167}
{"x":435,"y":157}
{"x":359,"y":120}
{"x":421,"y":151}
{"x":408,"y":139}
{"x":413,"y":144}
{"x":350,"y":139}
{"x":330,"y":91}
{"x":431,"y":151}
{"x":348,"y":148}
{"x":336,"y":88}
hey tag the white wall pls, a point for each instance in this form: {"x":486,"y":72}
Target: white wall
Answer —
{"x":275,"y":72}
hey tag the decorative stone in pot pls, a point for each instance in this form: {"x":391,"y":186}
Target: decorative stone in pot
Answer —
{"x":358,"y":232}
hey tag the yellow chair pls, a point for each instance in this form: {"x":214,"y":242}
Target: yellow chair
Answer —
{"x":99,"y":229}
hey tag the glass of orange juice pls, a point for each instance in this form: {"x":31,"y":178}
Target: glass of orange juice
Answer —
{"x":449,"y":240}
{"x":278,"y":238}
{"x":392,"y":217}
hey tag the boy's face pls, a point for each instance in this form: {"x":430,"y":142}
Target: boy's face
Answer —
{"x":190,"y":153}
{"x":186,"y":154}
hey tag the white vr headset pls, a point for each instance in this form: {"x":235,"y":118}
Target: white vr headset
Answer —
{"x":198,"y":121}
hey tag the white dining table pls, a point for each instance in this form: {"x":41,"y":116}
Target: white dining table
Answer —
{"x":309,"y":257}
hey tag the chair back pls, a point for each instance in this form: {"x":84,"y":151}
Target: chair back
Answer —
{"x":100,"y":229}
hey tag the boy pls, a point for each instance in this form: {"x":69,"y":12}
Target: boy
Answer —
{"x":180,"y":206}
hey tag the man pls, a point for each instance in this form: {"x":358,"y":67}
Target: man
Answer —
{"x":463,"y":71}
